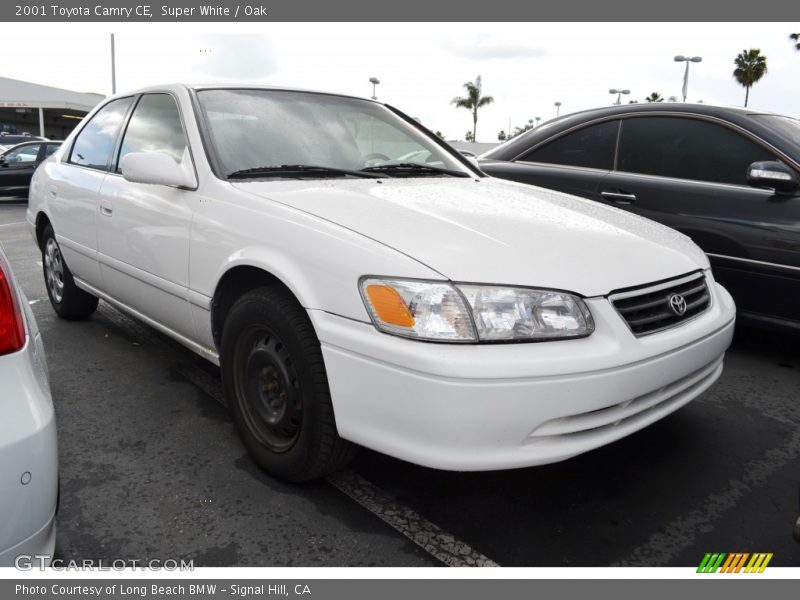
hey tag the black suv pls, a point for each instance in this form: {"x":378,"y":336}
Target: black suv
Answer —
{"x":729,"y":178}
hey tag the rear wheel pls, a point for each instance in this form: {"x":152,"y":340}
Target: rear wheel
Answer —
{"x":67,"y":299}
{"x":277,"y":388}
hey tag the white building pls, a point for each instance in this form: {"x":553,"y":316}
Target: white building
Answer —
{"x":40,"y":109}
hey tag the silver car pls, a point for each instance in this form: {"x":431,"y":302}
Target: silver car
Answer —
{"x":28,"y":448}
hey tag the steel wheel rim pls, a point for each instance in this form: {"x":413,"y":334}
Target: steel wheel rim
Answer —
{"x":268,"y":389}
{"x":54,"y":270}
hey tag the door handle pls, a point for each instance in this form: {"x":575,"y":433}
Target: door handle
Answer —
{"x":106,"y":211}
{"x":618,"y":197}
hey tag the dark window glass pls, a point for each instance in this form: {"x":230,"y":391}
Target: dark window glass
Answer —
{"x":50,"y":149}
{"x":155,"y":126}
{"x":95,"y":142}
{"x":24,"y":155}
{"x":591,"y":146}
{"x":687,"y":149}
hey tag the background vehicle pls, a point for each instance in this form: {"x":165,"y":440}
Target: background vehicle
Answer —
{"x":28,"y":448}
{"x":18,"y":163}
{"x":729,"y":178}
{"x":12,"y":139}
{"x":353,"y":295}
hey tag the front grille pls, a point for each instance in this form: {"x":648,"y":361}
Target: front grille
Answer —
{"x":649,"y":309}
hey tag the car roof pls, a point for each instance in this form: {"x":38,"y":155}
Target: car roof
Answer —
{"x":236,"y":86}
{"x":517,"y":145}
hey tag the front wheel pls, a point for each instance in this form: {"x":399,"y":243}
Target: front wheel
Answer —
{"x":67,"y":299}
{"x":276,"y":385}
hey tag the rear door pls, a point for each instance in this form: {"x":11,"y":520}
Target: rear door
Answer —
{"x":690,"y":174}
{"x":574,"y":163}
{"x":74,"y":186}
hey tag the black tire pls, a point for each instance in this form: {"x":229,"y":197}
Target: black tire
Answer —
{"x":67,"y":299}
{"x":276,"y":386}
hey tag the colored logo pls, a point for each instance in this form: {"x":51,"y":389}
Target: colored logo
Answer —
{"x":678,"y":304}
{"x":737,"y":562}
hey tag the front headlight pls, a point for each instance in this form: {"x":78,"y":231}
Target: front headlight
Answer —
{"x":439,"y":311}
{"x":519,"y":314}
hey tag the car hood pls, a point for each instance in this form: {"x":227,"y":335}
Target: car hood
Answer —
{"x":492,"y":231}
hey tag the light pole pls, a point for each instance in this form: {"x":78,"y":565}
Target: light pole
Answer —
{"x":619,"y":94}
{"x":537,"y":120}
{"x":558,"y":108}
{"x":687,"y":60}
{"x":374,"y":81}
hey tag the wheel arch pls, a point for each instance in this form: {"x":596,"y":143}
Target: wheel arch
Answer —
{"x":236,"y":281}
{"x":42,"y":221}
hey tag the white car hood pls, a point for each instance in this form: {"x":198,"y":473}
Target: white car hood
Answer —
{"x":494,"y":231}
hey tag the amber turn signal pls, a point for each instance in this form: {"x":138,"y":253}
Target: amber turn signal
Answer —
{"x":389,"y":306}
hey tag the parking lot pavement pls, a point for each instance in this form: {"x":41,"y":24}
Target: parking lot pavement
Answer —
{"x":151,"y":468}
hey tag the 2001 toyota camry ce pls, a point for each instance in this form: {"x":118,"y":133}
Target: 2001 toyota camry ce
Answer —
{"x":354,"y":295}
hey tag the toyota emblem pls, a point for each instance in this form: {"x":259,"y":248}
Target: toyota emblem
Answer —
{"x":677,"y":303}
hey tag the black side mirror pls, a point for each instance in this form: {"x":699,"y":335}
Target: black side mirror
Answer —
{"x":773,"y":174}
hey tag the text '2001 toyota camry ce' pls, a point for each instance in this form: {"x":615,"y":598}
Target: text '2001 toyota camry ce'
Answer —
{"x":361,"y":283}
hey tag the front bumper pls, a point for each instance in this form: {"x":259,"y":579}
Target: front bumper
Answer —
{"x":485,"y":407}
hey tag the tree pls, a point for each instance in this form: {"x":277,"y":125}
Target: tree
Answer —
{"x":751,"y":66}
{"x":654,"y":97}
{"x":469,"y":136}
{"x":795,"y":37}
{"x":472,"y":101}
{"x":501,"y":136}
{"x":439,"y":134}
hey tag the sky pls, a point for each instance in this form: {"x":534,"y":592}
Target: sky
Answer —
{"x":526,"y":67}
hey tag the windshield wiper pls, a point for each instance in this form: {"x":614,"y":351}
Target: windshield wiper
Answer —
{"x":413,"y":170}
{"x":297,"y":171}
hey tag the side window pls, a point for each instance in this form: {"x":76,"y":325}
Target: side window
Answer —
{"x":155,"y":126}
{"x":24,"y":155}
{"x":95,"y":143}
{"x":591,"y":146}
{"x":687,"y":149}
{"x":51,"y":149}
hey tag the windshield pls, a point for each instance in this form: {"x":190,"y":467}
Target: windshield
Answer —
{"x":254,"y":129}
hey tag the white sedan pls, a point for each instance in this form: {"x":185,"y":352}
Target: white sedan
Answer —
{"x":355,"y":296}
{"x":28,"y":449}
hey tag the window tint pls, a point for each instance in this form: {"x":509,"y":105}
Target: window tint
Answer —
{"x":23,"y":155}
{"x":155,"y":126}
{"x":591,"y":146}
{"x":95,"y":142}
{"x":687,"y":149}
{"x":50,"y":149}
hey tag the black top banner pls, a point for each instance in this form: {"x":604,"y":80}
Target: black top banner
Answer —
{"x":407,"y":10}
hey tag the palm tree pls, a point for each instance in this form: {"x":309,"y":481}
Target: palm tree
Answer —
{"x":472,"y":101}
{"x":654,"y":97}
{"x":751,"y":66}
{"x":795,"y":37}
